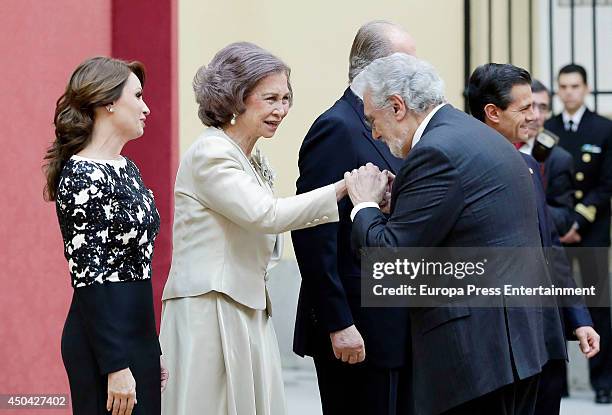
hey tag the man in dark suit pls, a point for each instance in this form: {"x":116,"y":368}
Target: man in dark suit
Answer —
{"x":331,"y":326}
{"x":501,"y":97}
{"x":588,"y":138}
{"x":459,"y":186}
{"x":556,"y":164}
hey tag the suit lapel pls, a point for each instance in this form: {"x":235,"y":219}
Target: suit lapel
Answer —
{"x":357,"y":106}
{"x":584,"y":122}
{"x":435,"y":120}
{"x":558,"y":122}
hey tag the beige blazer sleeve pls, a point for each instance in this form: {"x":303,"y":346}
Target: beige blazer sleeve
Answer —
{"x":222,"y":184}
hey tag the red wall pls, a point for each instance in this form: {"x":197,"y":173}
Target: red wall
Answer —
{"x":41,"y":42}
{"x":146,"y":30}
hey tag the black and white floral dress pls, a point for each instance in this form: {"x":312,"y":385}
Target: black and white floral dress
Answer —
{"x":109,"y":222}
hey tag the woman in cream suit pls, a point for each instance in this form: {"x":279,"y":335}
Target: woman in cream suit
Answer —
{"x":216,"y":332}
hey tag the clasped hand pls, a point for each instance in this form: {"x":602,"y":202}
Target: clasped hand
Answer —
{"x":369,"y":184}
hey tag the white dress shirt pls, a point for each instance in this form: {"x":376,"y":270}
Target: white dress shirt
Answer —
{"x":527,"y":147}
{"x":415,"y":139}
{"x":574,"y":118}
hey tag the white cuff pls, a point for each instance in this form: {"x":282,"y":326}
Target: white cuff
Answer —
{"x":362,"y":205}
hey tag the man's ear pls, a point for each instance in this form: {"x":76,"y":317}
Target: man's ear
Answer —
{"x":492,"y":113}
{"x":399,"y":107}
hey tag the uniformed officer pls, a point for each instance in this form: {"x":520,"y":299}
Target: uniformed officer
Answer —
{"x":587,"y":136}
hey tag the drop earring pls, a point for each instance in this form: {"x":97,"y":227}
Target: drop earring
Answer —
{"x":233,"y":120}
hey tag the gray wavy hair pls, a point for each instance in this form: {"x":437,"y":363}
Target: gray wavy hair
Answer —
{"x":221,"y":87}
{"x":415,"y":80}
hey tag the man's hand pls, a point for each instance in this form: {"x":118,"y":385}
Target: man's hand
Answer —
{"x":385,"y":204}
{"x":348,"y":345}
{"x":589,"y":340}
{"x":367,"y":184}
{"x":571,"y":237}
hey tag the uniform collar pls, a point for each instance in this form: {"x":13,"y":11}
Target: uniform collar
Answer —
{"x":576,"y":118}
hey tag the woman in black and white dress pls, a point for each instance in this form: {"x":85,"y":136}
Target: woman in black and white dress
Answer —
{"x":109,"y":222}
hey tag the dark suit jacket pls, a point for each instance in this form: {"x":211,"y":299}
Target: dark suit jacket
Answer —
{"x":559,"y":174}
{"x":464,"y":185}
{"x":591,"y":148}
{"x":340,"y":141}
{"x":574,"y":314}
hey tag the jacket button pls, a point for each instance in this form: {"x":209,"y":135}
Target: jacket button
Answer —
{"x":325,"y":217}
{"x":578,"y":194}
{"x":586,"y":157}
{"x":316,"y":221}
{"x":308,"y":223}
{"x":580,"y":176}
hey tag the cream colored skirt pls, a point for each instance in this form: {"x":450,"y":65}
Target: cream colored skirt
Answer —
{"x":222,"y":357}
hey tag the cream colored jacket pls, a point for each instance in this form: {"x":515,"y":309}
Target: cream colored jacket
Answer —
{"x":226,"y":222}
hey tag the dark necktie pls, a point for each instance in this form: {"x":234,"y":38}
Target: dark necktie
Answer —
{"x":570,"y":126}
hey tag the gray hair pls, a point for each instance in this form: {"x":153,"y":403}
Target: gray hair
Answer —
{"x":371,"y":42}
{"x":222,"y":86}
{"x":415,"y":80}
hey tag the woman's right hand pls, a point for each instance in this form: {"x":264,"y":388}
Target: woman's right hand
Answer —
{"x":121,"y":392}
{"x":341,"y":190}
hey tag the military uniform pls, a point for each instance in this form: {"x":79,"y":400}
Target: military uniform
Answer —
{"x":590,"y":143}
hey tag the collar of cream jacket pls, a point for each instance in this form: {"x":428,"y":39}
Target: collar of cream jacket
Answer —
{"x":245,"y":159}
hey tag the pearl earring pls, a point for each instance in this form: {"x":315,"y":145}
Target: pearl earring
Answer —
{"x":110,"y":109}
{"x":233,"y":120}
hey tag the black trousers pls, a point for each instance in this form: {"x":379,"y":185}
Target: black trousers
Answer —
{"x":88,"y":387}
{"x":594,"y":266}
{"x":362,"y":390}
{"x":518,"y":398}
{"x":551,"y":388}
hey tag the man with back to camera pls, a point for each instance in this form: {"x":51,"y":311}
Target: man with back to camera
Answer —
{"x":466,"y":360}
{"x":500,"y":96}
{"x":361,"y":355}
{"x":556,"y":164}
{"x":587,"y":136}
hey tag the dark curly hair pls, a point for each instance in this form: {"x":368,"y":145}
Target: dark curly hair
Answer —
{"x":96,"y":82}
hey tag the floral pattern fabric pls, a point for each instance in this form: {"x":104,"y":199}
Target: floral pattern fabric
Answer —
{"x":108,"y":221}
